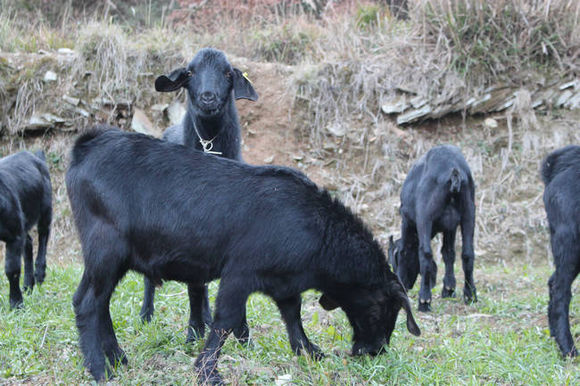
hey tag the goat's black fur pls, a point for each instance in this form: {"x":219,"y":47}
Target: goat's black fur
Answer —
{"x":437,"y":197}
{"x":196,"y":218}
{"x":560,"y":172}
{"x":25,"y":201}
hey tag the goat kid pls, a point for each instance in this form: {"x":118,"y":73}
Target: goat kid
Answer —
{"x":25,"y":201}
{"x":437,"y":197}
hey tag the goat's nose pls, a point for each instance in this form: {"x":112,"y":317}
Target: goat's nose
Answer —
{"x":207,"y":97}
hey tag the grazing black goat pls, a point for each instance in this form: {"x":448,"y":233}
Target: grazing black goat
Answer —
{"x":196,"y":218}
{"x":437,"y":196}
{"x":560,"y":171}
{"x":210,"y":124}
{"x":25,"y":201}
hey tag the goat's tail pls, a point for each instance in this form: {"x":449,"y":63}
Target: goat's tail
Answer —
{"x":40,"y":154}
{"x":455,"y":180}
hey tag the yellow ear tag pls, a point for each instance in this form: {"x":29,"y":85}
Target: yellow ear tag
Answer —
{"x":245,"y":75}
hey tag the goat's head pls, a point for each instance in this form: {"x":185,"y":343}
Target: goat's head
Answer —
{"x":394,"y":252}
{"x":373,"y":312}
{"x":209,"y":80}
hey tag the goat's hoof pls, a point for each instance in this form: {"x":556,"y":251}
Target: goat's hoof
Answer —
{"x":16,"y":304}
{"x":210,"y":378}
{"x":469,"y":297}
{"x":39,"y":277}
{"x":146,"y":316}
{"x":448,"y":292}
{"x":572,"y":353}
{"x":424,"y":305}
{"x":27,"y":289}
{"x":315,"y":352}
{"x":242,"y":334}
{"x":193,"y":334}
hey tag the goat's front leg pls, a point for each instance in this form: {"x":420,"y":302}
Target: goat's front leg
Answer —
{"x":427,"y":265}
{"x":290,"y":311}
{"x":43,"y":234}
{"x":448,"y":253}
{"x":12,"y":267}
{"x":230,"y":306}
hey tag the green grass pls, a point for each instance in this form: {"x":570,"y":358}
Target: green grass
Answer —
{"x":502,"y":339}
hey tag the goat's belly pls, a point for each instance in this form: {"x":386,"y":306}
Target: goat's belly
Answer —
{"x":184,"y":271}
{"x":449,"y":220}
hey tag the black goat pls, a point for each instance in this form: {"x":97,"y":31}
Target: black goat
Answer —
{"x":197,"y":218}
{"x":437,"y":196}
{"x":560,"y":171}
{"x":25,"y":201}
{"x":210,"y":124}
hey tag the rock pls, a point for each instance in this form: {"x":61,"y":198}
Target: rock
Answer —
{"x":395,"y":105}
{"x":414,"y":115}
{"x":65,"y":51}
{"x":71,"y":100}
{"x":83,"y":112}
{"x":159,"y":107}
{"x":337,"y":130}
{"x":175,"y":112}
{"x":141,"y":124}
{"x":50,"y":76}
{"x":490,"y":123}
{"x":53,"y":118}
{"x":573,"y":102}
{"x":563,"y":98}
{"x":38,"y":122}
{"x":269,"y":159}
{"x":419,"y":101}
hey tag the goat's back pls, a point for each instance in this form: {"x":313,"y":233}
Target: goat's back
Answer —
{"x":440,"y":165}
{"x":169,"y":200}
{"x":561,"y":175}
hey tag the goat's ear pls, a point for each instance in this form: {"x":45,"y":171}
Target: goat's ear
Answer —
{"x":327,"y":303}
{"x":243,"y":87}
{"x":404,"y":299}
{"x":173,"y":81}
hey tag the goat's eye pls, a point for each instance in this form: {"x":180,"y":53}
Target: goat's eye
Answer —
{"x":190,"y":73}
{"x":228,"y":74}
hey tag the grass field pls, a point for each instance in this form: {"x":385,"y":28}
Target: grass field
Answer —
{"x":310,"y":73}
{"x":502,"y":339}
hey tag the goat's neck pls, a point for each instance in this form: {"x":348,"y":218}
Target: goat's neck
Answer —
{"x":222,"y":128}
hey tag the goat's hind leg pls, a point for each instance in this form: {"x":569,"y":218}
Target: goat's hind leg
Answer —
{"x":448,"y":253}
{"x":147,"y":309}
{"x":197,"y":296}
{"x":567,"y":260}
{"x":28,"y":265}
